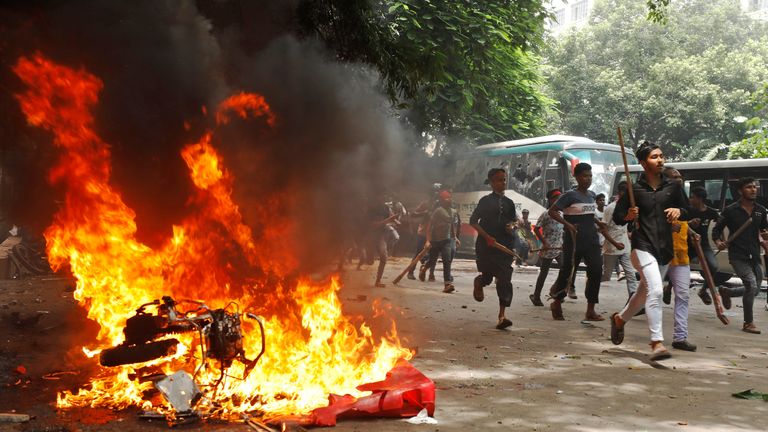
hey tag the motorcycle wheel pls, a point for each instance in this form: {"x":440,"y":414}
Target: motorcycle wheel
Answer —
{"x":123,"y":355}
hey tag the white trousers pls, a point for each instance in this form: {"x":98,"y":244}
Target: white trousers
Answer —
{"x":649,"y":292}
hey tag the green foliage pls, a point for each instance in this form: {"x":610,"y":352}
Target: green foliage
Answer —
{"x":680,"y":85}
{"x":755,"y":144}
{"x":463,"y":72}
{"x":657,"y":11}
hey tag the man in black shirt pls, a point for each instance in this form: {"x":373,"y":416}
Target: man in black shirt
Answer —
{"x":494,"y":219}
{"x":744,"y":248}
{"x":659,"y":203}
{"x":701,"y":216}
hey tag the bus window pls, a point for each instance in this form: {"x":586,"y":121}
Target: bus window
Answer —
{"x":714,"y":189}
{"x":526,"y":173}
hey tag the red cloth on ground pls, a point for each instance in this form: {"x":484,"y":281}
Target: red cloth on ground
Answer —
{"x":403,"y":393}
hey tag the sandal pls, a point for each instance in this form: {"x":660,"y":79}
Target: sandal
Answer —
{"x":503,"y":323}
{"x":617,"y":333}
{"x":659,"y":352}
{"x":557,"y":311}
{"x":595,"y":317}
{"x":477,"y":293}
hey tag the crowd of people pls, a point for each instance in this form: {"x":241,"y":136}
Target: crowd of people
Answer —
{"x":649,"y":234}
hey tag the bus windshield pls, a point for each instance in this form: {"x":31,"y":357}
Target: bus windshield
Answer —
{"x":604,"y":164}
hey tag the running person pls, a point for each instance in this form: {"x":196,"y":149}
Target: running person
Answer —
{"x":659,"y":203}
{"x":580,"y":242}
{"x":744,"y":249}
{"x":494,"y":218}
{"x":550,"y":233}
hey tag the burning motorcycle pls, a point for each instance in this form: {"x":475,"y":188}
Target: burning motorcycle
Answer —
{"x":219,"y":334}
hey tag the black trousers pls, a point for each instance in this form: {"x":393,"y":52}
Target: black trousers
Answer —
{"x":592,"y":257}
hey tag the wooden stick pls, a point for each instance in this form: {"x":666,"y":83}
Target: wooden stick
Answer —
{"x":626,"y":168}
{"x":737,"y":233}
{"x":545,"y":249}
{"x":412,"y":264}
{"x":709,"y":279}
{"x":506,"y":250}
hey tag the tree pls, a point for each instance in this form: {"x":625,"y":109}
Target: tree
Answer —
{"x":755,"y":144}
{"x":680,"y":85}
{"x":461,"y":72}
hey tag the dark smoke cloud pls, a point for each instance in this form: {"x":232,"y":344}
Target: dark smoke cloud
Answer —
{"x":161,"y":61}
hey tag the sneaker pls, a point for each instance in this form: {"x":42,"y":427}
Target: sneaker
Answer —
{"x":572,"y":293}
{"x":704,"y":296}
{"x":725,"y":297}
{"x":666,"y":295}
{"x":449,"y":288}
{"x":431,"y":278}
{"x":659,"y":351}
{"x":684,"y":345}
{"x":423,"y":273}
{"x":750,"y":328}
{"x":477,"y":292}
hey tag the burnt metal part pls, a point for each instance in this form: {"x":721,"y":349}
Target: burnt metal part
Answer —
{"x":127,"y":354}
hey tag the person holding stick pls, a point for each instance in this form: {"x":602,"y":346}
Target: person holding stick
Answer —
{"x":581,"y":242}
{"x":745,"y":219}
{"x":658,"y":204}
{"x":494,"y":218}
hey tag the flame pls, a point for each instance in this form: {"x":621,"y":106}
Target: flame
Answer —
{"x":313,"y":349}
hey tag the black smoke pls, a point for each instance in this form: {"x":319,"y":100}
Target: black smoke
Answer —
{"x":335,"y":141}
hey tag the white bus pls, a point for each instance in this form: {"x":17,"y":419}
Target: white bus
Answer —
{"x":534,"y":166}
{"x":719,"y":179}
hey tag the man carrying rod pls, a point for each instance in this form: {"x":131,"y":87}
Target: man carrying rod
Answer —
{"x":658,"y":204}
{"x":494,"y":219}
{"x":578,"y":208}
{"x":744,"y":218}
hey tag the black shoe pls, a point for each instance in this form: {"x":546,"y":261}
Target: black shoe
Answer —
{"x":536,"y":300}
{"x":704,"y":296}
{"x":684,"y":345}
{"x":725,"y":297}
{"x":666,"y":296}
{"x":411,"y":276}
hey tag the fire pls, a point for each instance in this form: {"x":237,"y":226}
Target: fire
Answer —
{"x":312,"y":348}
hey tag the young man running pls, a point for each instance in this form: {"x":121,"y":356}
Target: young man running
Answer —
{"x":550,"y":233}
{"x":580,"y":242}
{"x":701,"y":216}
{"x":744,"y":249}
{"x":679,"y":274}
{"x":613,"y":253}
{"x":659,"y":203}
{"x":494,"y":218}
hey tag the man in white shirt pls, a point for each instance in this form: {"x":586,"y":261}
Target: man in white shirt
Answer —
{"x":611,"y":254}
